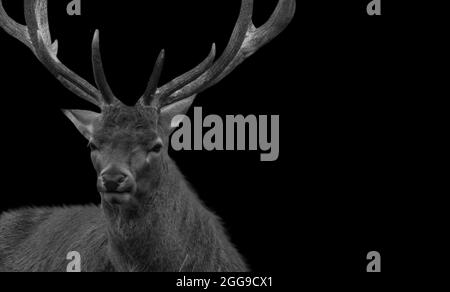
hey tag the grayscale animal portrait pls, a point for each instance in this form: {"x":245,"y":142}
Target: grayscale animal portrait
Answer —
{"x":149,"y":218}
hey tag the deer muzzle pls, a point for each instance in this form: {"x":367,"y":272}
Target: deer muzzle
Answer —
{"x":116,"y":185}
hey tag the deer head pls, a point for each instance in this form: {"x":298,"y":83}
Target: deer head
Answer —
{"x":129,"y":144}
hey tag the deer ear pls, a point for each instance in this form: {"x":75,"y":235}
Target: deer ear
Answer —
{"x":172,"y":115}
{"x":83,"y":120}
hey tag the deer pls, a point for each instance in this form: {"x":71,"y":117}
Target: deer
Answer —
{"x":149,"y":218}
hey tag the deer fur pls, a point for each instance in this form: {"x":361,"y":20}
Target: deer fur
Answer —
{"x":149,"y":218}
{"x":176,"y":232}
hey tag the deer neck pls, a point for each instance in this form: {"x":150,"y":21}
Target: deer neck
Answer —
{"x":153,"y":235}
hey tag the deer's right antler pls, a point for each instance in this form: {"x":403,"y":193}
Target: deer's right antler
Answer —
{"x":36,"y":36}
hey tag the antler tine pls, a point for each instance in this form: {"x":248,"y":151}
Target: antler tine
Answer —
{"x":162,"y":93}
{"x":244,"y":42}
{"x":36,"y":36}
{"x":99,"y":73}
{"x":152,"y":86}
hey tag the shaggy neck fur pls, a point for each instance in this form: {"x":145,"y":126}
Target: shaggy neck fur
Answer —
{"x":170,"y":231}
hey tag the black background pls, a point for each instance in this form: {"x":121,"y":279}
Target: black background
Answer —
{"x":336,"y":78}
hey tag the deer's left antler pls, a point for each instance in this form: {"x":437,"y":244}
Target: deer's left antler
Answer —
{"x":244,"y":42}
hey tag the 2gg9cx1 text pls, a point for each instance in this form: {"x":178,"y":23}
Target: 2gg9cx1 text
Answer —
{"x":246,"y":281}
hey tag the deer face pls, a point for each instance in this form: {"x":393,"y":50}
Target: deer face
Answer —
{"x":128,"y":148}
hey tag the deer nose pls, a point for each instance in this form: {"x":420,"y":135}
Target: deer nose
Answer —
{"x":113,"y":181}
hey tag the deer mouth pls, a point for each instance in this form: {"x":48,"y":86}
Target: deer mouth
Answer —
{"x":117,"y":198}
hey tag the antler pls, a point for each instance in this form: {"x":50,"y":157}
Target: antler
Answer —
{"x":244,"y":42}
{"x":99,"y":73}
{"x":152,"y":96}
{"x":36,"y":36}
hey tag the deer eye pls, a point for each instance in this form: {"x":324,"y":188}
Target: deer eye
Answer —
{"x":156,"y":148}
{"x":92,"y":146}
